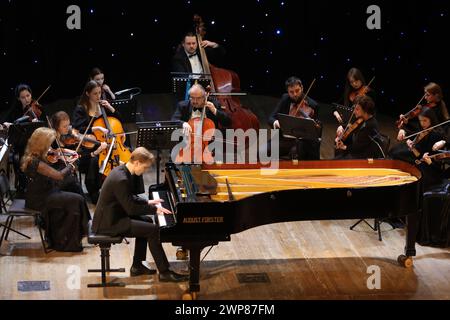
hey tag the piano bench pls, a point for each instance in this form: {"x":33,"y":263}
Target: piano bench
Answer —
{"x":104,"y":242}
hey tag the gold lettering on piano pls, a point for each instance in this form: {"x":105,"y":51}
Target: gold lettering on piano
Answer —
{"x":203,"y":220}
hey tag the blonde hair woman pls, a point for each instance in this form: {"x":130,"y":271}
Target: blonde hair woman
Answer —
{"x":65,"y":213}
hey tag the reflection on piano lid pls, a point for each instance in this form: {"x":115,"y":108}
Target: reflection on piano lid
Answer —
{"x":3,"y":149}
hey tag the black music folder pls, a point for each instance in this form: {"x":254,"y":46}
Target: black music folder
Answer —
{"x":298,"y":128}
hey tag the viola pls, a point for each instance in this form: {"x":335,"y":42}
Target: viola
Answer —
{"x":74,"y":137}
{"x":358,"y":93}
{"x":436,"y":157}
{"x":53,"y":156}
{"x":34,"y":109}
{"x":413,"y":113}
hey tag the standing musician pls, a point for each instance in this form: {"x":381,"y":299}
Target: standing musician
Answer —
{"x":44,"y":195}
{"x":120,"y":212}
{"x":98,"y":76}
{"x":423,"y":142}
{"x":187,"y":59}
{"x":357,"y":140}
{"x":88,"y":150}
{"x":295,"y":103}
{"x":355,"y":85}
{"x":408,"y":123}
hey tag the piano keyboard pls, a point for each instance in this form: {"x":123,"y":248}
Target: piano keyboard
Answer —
{"x":165,"y":220}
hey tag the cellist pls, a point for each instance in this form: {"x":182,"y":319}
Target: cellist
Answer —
{"x":88,"y":107}
{"x":193,"y":108}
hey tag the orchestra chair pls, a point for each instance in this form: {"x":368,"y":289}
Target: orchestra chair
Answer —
{"x":383,"y":142}
{"x":104,"y":242}
{"x":16,"y":209}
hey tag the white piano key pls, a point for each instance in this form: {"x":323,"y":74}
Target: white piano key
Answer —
{"x":161,"y":219}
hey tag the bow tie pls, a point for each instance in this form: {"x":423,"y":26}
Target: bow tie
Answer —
{"x":197,"y":109}
{"x":192,"y":55}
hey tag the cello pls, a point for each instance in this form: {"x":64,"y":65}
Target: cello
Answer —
{"x":223,"y":84}
{"x":117,"y":152}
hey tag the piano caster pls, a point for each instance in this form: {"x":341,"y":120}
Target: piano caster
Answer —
{"x":405,"y":261}
{"x":182,"y":254}
{"x":189,"y":296}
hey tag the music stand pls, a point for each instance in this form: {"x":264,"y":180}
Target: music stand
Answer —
{"x":344,"y":112}
{"x":156,"y":135}
{"x":128,"y":105}
{"x":18,"y":134}
{"x":183,"y":81}
{"x":298,"y":128}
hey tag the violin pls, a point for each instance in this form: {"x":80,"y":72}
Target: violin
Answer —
{"x":413,"y":113}
{"x":34,"y":109}
{"x":349,"y":129}
{"x":53,"y":156}
{"x":436,"y":157}
{"x":416,"y":140}
{"x":202,"y":133}
{"x":74,"y":137}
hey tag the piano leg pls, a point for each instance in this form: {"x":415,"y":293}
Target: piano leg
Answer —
{"x":195,"y":249}
{"x":410,"y":248}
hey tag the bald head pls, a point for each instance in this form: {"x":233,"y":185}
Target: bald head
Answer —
{"x":197,"y":95}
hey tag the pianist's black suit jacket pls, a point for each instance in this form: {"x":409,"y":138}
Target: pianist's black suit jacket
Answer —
{"x":117,"y":204}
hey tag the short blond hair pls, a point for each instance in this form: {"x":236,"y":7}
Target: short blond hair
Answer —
{"x":141,"y":154}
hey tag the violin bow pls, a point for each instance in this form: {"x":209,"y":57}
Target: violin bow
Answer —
{"x":431,"y":128}
{"x":416,"y":105}
{"x":45,"y":91}
{"x":57,"y":142}
{"x":84,"y":135}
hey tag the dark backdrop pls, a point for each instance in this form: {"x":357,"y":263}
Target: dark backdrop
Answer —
{"x":266,"y":41}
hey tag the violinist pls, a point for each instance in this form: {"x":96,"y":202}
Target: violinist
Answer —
{"x":65,"y":213}
{"x":355,"y":85}
{"x":413,"y":149}
{"x":193,"y":108}
{"x":433,"y":97}
{"x":19,"y":113}
{"x":296,"y":104}
{"x":187,"y":58}
{"x":87,"y":156}
{"x":98,"y":76}
{"x":359,"y":143}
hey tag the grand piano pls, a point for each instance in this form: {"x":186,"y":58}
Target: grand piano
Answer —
{"x":212,"y":202}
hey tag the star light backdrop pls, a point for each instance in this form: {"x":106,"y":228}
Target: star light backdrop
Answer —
{"x":266,"y":42}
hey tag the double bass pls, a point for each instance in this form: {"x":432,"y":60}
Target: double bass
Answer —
{"x":225,"y":82}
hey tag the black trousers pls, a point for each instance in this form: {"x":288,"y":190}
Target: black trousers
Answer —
{"x":146,"y":232}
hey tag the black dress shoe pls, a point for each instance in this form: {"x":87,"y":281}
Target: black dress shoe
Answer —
{"x":141,"y":270}
{"x":171,"y":276}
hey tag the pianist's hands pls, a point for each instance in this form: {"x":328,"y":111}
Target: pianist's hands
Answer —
{"x":159,"y":208}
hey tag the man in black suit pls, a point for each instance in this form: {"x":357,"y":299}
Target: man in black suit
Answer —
{"x":120,"y":212}
{"x":187,"y":59}
{"x":193,"y":107}
{"x":290,"y":104}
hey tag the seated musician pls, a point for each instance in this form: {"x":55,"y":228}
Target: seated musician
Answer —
{"x":360,"y":143}
{"x":355,"y":85}
{"x":20,"y":112}
{"x":120,"y":212}
{"x":187,"y":59}
{"x":88,"y":107}
{"x":290,"y":104}
{"x":60,"y":121}
{"x":98,"y":76}
{"x":412,"y":150}
{"x":433,"y":100}
{"x":193,"y":107}
{"x":66,"y":213}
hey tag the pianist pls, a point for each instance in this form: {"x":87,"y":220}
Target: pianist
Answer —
{"x":120,"y":212}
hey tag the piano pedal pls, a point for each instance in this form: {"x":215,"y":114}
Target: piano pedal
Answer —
{"x":182,"y":254}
